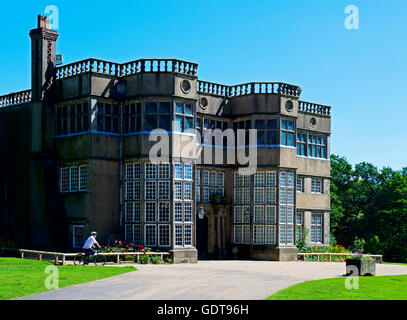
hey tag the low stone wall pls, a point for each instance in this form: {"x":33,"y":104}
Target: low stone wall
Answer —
{"x":189,"y":255}
{"x":274,"y":254}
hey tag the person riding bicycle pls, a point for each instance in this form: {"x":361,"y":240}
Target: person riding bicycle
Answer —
{"x":89,"y":244}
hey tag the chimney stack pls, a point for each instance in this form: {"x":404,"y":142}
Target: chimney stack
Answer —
{"x":43,"y":22}
{"x":43,"y":57}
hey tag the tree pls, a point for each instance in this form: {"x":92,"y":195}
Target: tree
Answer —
{"x":369,"y":206}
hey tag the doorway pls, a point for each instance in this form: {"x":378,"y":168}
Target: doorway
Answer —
{"x":202,"y":238}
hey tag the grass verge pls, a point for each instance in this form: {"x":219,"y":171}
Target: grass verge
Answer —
{"x":396,"y":263}
{"x":21,"y":277}
{"x":370,"y":288}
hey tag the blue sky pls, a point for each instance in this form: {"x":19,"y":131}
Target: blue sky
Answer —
{"x":361,"y":73}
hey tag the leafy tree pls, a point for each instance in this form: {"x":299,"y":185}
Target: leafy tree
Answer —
{"x":369,"y":207}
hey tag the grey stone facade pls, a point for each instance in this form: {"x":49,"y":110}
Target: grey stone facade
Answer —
{"x":78,"y":146}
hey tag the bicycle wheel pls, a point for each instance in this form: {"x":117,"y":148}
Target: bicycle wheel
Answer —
{"x":78,"y":260}
{"x":99,"y":260}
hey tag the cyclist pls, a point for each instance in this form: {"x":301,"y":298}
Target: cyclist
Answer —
{"x":89,"y":244}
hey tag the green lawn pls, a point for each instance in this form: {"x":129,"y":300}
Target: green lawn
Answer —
{"x":370,"y":288}
{"x":20,"y":277}
{"x":398,"y":263}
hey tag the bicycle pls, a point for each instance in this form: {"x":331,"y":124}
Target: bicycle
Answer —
{"x":97,"y":259}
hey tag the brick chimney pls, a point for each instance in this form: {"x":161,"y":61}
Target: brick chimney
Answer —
{"x":43,"y":57}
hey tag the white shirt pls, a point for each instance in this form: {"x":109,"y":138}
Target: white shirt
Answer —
{"x":90,"y":242}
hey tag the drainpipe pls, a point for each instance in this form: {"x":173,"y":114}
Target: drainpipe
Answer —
{"x":121,"y":92}
{"x":121,"y":169}
{"x":4,"y":218}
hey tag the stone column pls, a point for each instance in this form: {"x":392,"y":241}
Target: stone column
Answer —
{"x":326,"y":229}
{"x":218,"y":235}
{"x":212,"y":233}
{"x":307,"y":225}
{"x":223,"y":235}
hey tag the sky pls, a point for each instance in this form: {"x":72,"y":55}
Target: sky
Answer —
{"x":360,"y":72}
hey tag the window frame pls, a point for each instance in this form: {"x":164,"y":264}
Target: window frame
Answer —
{"x":287,"y":133}
{"x":74,"y":227}
{"x":145,"y":235}
{"x":315,"y":225}
{"x":159,"y":235}
{"x":314,"y":185}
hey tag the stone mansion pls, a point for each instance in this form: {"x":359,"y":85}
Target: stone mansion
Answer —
{"x":76,"y":159}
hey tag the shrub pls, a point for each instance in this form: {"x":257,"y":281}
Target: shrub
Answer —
{"x":360,"y":256}
{"x":336,"y":248}
{"x":155,"y":259}
{"x":111,"y":259}
{"x":358,"y":245}
{"x":144,"y":259}
{"x":332,"y":239}
{"x":121,"y":246}
{"x":301,"y":243}
{"x":8,"y":243}
{"x":168,"y":260}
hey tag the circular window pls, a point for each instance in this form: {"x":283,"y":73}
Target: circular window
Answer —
{"x":203,"y":103}
{"x":185,"y":86}
{"x":289,"y":106}
{"x":313,"y":122}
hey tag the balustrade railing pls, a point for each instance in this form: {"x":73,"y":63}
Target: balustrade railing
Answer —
{"x":15,"y":98}
{"x":213,"y":88}
{"x":170,"y":65}
{"x":265,"y":87}
{"x":248,"y":88}
{"x":311,"y":107}
{"x":125,"y":69}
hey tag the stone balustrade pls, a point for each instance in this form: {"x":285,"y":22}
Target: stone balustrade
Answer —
{"x":170,"y":65}
{"x":159,"y":65}
{"x":125,"y":69}
{"x":15,"y":98}
{"x":213,"y":88}
{"x":265,"y":87}
{"x":248,"y":88}
{"x":311,"y":107}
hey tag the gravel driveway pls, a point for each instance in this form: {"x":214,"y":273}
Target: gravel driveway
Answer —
{"x":214,"y":280}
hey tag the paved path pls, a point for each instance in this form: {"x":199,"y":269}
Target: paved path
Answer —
{"x":215,"y":280}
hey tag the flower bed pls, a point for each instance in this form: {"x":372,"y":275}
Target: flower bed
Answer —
{"x":143,"y":258}
{"x":329,"y":249}
{"x":121,"y":246}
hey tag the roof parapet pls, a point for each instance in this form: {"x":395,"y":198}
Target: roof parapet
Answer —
{"x":310,"y":107}
{"x":127,"y":68}
{"x":248,"y":88}
{"x":15,"y":98}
